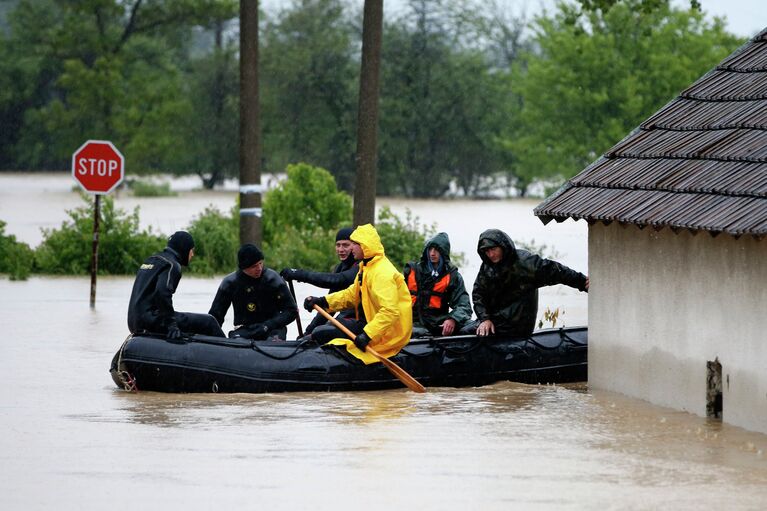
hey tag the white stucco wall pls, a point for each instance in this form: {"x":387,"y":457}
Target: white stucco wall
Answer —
{"x":662,"y":304}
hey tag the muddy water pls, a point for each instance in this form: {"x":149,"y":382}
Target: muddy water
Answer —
{"x":70,"y":440}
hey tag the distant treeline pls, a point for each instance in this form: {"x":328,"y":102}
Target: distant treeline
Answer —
{"x":472,"y":98}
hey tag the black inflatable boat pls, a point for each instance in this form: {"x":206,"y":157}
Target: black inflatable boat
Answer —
{"x":212,"y":364}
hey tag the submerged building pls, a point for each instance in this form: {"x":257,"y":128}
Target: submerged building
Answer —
{"x":677,"y":241}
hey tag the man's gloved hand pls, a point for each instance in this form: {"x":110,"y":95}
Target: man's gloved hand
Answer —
{"x":258,"y":332}
{"x":173,"y":332}
{"x":292,"y":274}
{"x":361,"y":341}
{"x":311,"y":301}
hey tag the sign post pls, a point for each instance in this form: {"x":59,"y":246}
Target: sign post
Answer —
{"x":99,"y":168}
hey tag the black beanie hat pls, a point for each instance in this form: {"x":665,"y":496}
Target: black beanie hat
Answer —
{"x":248,"y":255}
{"x":344,"y":233}
{"x":181,"y":242}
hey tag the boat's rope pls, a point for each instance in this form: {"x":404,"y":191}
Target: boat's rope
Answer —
{"x":543,"y":346}
{"x":437,"y":346}
{"x":127,"y":379}
{"x":254,"y":345}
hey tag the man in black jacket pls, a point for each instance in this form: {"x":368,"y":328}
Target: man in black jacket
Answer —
{"x":263,"y":306}
{"x":505,"y":292}
{"x":340,"y":278}
{"x":151,"y":303}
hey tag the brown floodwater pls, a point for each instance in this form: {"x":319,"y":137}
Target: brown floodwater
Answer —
{"x":72,"y":440}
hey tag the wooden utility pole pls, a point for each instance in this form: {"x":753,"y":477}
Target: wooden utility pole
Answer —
{"x":250,"y":136}
{"x":367,"y":116}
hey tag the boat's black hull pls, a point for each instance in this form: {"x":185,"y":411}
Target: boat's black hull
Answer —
{"x":209,"y":364}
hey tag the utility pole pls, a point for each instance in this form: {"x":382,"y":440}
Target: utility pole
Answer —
{"x":367,"y":116}
{"x":250,"y":136}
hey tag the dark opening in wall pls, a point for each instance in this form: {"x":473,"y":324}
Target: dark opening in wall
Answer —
{"x":714,"y":389}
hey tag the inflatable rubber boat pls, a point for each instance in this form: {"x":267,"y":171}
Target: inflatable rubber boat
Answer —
{"x":212,"y":364}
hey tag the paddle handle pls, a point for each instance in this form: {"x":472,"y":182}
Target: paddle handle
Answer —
{"x":298,"y":315}
{"x":396,"y":370}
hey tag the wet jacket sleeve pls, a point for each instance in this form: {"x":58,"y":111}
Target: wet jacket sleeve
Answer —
{"x":221,"y":302}
{"x":345,"y":299}
{"x":549,"y":273}
{"x":330,"y":280}
{"x":318,"y":320}
{"x":477,"y":296}
{"x":285,"y":305}
{"x":166,"y":284}
{"x":459,"y":303}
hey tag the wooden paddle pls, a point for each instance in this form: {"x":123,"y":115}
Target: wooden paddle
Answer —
{"x":298,"y":316}
{"x":396,"y":370}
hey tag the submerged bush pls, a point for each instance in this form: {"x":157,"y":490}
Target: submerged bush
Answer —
{"x":308,"y":201}
{"x":16,"y":258}
{"x":301,"y":217}
{"x":143,"y":188}
{"x":122,"y":245}
{"x":216,"y":239}
{"x":402,"y":239}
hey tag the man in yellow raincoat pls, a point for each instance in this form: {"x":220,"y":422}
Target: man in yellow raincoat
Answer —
{"x":383,"y":294}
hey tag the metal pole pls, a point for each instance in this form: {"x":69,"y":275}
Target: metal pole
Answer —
{"x":95,"y":252}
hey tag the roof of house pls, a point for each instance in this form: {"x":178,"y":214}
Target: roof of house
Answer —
{"x":699,"y":163}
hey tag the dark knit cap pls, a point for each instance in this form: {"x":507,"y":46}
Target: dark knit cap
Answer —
{"x":344,"y":233}
{"x":181,"y":242}
{"x":248,"y":255}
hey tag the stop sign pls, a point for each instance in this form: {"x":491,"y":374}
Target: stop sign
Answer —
{"x":98,"y":166}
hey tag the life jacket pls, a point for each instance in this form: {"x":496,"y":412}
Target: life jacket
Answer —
{"x":435,"y":295}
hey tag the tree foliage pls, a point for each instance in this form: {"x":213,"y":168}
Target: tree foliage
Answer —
{"x":308,"y":89}
{"x":590,"y":83}
{"x":102,"y":69}
{"x":442,"y":103}
{"x":470,"y":94}
{"x":16,"y":258}
{"x":122,"y":243}
{"x":308,"y":199}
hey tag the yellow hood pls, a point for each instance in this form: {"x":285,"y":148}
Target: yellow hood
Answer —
{"x":367,"y":237}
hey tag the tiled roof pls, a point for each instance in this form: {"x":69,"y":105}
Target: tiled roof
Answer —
{"x":700,"y":163}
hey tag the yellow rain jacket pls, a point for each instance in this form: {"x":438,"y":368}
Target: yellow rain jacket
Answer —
{"x":384,"y":296}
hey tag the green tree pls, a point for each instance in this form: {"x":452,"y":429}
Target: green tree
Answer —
{"x":99,"y":69}
{"x":443,"y":105}
{"x":307,"y":200}
{"x":591,"y":82}
{"x":308,"y":88}
{"x":210,"y":127}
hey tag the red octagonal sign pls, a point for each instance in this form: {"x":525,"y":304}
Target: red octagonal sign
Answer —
{"x":98,"y":166}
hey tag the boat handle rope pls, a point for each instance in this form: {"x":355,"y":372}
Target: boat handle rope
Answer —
{"x":127,"y":379}
{"x":442,"y":348}
{"x":254,"y":346}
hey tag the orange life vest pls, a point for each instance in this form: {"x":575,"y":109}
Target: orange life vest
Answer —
{"x":435,"y":294}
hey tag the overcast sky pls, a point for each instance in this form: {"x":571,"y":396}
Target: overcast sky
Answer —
{"x":744,"y":17}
